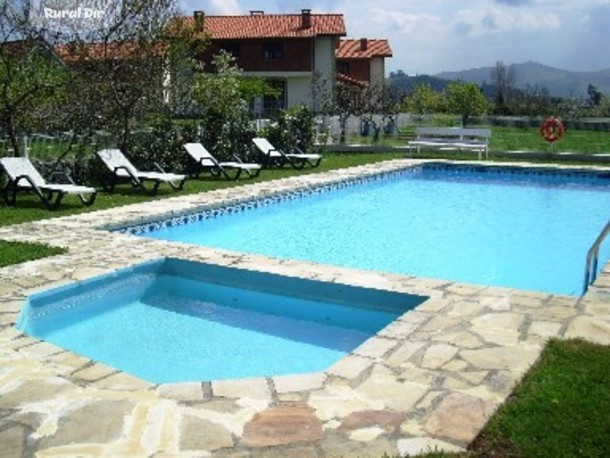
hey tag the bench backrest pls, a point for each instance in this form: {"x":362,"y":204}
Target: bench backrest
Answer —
{"x":457,"y":133}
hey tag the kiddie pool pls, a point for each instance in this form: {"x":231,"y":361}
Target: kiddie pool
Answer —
{"x":172,"y":320}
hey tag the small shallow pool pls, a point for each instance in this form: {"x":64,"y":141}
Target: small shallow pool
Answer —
{"x":173,"y":320}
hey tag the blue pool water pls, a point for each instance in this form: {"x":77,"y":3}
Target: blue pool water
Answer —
{"x":491,"y":226}
{"x":175,"y":321}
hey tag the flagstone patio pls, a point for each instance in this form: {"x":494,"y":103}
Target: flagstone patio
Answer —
{"x":431,"y":379}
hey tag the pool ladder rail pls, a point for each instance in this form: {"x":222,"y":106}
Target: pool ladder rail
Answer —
{"x":592,"y":258}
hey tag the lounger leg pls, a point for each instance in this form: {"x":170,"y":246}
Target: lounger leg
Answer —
{"x":87,"y":202}
{"x":54,"y":205}
{"x":177,"y":187}
{"x":154,"y":189}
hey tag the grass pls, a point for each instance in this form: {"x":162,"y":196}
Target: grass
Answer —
{"x":560,"y":409}
{"x":518,"y":139}
{"x":529,"y":139}
{"x":29,"y":207}
{"x":16,"y":252}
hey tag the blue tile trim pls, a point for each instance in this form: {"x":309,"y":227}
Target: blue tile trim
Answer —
{"x":214,"y":212}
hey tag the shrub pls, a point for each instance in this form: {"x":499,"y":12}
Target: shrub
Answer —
{"x":295,"y":128}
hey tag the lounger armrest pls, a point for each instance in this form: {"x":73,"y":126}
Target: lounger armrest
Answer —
{"x":64,"y":174}
{"x":237,"y":158}
{"x":28,"y":179}
{"x":122,"y":167}
{"x":158,"y":167}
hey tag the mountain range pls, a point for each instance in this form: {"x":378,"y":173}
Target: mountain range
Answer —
{"x":560,"y":83}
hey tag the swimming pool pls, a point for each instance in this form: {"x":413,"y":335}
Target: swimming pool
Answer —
{"x":522,"y":228}
{"x":173,"y":320}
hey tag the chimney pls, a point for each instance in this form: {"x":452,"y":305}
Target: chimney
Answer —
{"x":199,"y":17}
{"x":305,"y":19}
{"x":256,"y":12}
{"x":364,"y":44}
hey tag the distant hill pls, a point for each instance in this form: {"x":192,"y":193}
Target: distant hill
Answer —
{"x":560,"y":83}
{"x":404,"y":83}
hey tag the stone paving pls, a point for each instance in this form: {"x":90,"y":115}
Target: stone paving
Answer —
{"x":431,"y":379}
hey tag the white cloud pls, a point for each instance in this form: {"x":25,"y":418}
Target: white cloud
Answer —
{"x":404,"y":22}
{"x":223,"y":7}
{"x":501,"y":19}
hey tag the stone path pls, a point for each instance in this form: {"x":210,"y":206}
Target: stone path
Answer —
{"x":430,"y":379}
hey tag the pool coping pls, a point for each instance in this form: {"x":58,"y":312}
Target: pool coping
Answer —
{"x":431,"y":379}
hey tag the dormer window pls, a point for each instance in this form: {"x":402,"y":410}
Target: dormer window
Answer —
{"x":273,"y":50}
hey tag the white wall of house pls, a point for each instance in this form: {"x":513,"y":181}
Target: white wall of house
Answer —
{"x":377,"y":70}
{"x":324,"y":64}
{"x":298,"y":91}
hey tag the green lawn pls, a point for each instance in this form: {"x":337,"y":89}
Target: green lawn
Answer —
{"x":517,"y":139}
{"x":16,"y":252}
{"x":29,"y":207}
{"x":560,"y":409}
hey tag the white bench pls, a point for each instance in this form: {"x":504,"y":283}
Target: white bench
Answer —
{"x":452,"y":138}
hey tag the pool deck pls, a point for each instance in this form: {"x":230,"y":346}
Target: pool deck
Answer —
{"x":430,"y":379}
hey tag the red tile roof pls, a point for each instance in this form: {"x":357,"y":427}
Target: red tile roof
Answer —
{"x":343,"y":78}
{"x":363,"y":48}
{"x":101,"y":51}
{"x":271,"y":26}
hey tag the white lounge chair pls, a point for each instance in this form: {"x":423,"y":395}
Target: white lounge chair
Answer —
{"x":274,"y":156}
{"x":203,"y":160}
{"x":120,"y":169}
{"x":23,"y":176}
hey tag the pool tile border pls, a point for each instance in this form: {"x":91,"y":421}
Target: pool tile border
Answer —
{"x":431,"y":378}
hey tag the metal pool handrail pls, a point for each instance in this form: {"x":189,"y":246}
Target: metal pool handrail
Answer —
{"x":592,"y":258}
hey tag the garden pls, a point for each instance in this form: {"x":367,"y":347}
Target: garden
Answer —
{"x":59,"y":104}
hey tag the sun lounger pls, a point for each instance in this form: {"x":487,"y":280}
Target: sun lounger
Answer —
{"x":274,"y":156}
{"x":23,"y":176}
{"x":120,"y":169}
{"x":202,"y":160}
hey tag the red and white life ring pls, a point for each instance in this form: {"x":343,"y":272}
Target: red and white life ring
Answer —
{"x":552,"y":129}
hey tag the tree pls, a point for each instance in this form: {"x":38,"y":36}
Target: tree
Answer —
{"x":466,"y":99}
{"x":111,"y":76}
{"x":30,"y":75}
{"x":344,"y":101}
{"x":503,"y":78}
{"x":221,"y":97}
{"x":532,"y":101}
{"x":380,"y":105}
{"x":595,"y":96}
{"x":422,"y":100}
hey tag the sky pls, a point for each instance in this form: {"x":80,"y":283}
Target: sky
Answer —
{"x":428,"y":37}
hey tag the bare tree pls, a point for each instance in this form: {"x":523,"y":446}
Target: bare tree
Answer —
{"x":503,"y":78}
{"x":30,"y":75}
{"x":380,"y":107}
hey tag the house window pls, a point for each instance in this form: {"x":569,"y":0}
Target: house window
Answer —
{"x":273,"y":50}
{"x":269,"y":106}
{"x":232,"y":47}
{"x":343,"y":67}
